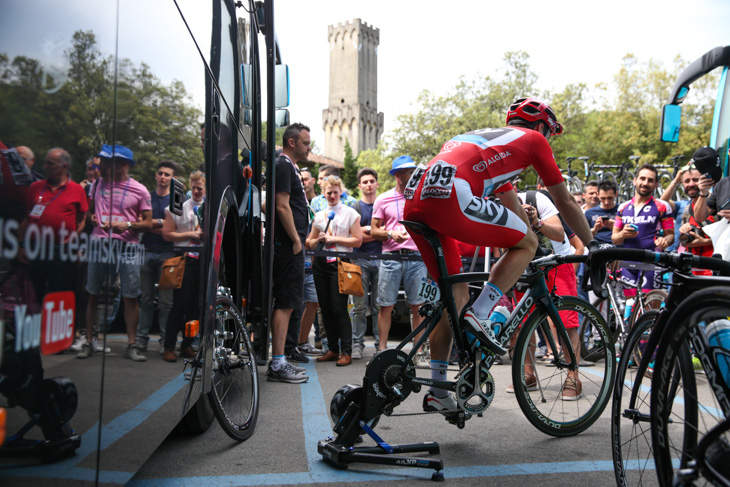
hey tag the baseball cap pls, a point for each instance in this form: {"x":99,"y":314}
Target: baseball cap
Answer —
{"x":706,"y":160}
{"x":402,"y":162}
{"x":118,"y":152}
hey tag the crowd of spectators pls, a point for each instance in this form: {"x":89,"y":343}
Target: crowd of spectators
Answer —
{"x":111,"y":204}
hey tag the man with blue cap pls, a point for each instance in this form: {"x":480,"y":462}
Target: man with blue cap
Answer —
{"x":120,"y":210}
{"x":385,"y":226}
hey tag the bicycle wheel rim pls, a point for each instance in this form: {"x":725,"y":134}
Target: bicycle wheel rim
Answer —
{"x":695,"y":402}
{"x":630,"y":413}
{"x":234,"y":377}
{"x":546,"y":407}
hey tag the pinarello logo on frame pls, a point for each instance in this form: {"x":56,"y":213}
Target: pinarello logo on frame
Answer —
{"x":57,"y":322}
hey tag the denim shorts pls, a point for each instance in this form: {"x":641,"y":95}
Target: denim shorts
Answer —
{"x":128,"y":277}
{"x":310,"y":292}
{"x":392,"y":272}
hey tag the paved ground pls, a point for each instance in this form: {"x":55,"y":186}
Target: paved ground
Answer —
{"x":501,"y":448}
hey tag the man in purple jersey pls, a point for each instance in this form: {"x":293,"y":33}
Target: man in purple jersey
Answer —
{"x":639,"y":221}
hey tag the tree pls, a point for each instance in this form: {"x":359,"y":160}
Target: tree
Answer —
{"x":379,"y":159}
{"x":75,"y":109}
{"x":349,"y":172}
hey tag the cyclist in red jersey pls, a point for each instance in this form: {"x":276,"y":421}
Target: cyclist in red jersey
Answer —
{"x":454,"y":195}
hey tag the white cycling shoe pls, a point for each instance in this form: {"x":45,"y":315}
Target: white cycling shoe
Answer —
{"x":482,"y":329}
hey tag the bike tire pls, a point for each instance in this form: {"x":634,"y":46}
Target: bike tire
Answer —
{"x":704,"y":398}
{"x":664,"y":179}
{"x":653,"y":300}
{"x":592,"y":349}
{"x":575,"y":184}
{"x":544,"y":407}
{"x":630,"y":411}
{"x":234,"y":392}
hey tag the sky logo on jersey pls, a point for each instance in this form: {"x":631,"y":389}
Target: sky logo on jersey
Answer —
{"x":57,"y":322}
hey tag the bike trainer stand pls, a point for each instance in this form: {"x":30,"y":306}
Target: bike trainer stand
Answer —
{"x":340,"y":453}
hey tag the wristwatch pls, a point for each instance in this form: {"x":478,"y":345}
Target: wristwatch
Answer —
{"x":159,"y":221}
{"x":538,"y":225}
{"x":129,"y":225}
{"x":390,"y":234}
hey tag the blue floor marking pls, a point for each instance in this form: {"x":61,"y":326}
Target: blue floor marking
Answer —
{"x":317,"y":426}
{"x":113,"y":431}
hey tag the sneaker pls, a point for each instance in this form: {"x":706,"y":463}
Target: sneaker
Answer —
{"x":422,"y":359}
{"x":572,"y":389}
{"x":134,"y":354}
{"x":325,"y":347}
{"x":189,"y":373}
{"x":498,"y":361}
{"x":356,"y":352}
{"x":85,"y":351}
{"x":541,"y":352}
{"x":308,"y":349}
{"x":162,"y":346}
{"x":530,"y":384}
{"x":98,"y":346}
{"x":295,"y":355}
{"x":78,"y":343}
{"x":445,"y":405}
{"x":482,"y":329}
{"x":286,"y":374}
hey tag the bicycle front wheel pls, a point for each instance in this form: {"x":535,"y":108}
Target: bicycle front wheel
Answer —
{"x":633,"y":460}
{"x":235,"y":386}
{"x":688,"y":402}
{"x":551,"y":401}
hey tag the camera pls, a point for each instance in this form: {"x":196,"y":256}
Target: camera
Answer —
{"x":685,"y":238}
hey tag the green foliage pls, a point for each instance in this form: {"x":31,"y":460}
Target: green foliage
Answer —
{"x":608,"y":123}
{"x":155,"y":120}
{"x":379,"y":159}
{"x":349,"y":172}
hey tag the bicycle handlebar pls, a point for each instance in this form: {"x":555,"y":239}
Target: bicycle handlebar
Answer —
{"x":683,"y":262}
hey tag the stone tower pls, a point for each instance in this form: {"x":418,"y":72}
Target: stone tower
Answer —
{"x":352,"y":114}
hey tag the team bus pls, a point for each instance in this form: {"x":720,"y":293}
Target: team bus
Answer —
{"x":91,"y":93}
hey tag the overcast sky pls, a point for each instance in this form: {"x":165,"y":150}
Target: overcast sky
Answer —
{"x":423,"y":44}
{"x":429,"y":44}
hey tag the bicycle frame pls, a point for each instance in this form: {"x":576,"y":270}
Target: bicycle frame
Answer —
{"x":536,"y":294}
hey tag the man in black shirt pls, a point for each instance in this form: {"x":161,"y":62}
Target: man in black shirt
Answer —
{"x":290,"y":231}
{"x":157,"y":250}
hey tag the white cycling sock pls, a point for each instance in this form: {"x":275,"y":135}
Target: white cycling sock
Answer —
{"x":486,"y":301}
{"x":438,"y":372}
{"x":277,"y":362}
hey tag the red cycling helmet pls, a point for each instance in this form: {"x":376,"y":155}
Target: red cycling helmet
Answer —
{"x":533,"y":110}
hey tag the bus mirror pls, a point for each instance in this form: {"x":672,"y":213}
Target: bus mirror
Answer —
{"x":246,"y":86}
{"x":671,"y":118}
{"x":282,"y":118}
{"x":281,"y":75}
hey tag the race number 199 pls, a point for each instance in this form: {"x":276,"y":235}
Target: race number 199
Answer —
{"x":429,"y":290}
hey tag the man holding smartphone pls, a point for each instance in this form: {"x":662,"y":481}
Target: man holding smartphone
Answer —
{"x":602,"y":217}
{"x":707,"y":161}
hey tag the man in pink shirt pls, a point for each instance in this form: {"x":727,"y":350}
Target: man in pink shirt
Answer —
{"x":385,"y":226}
{"x":120,"y":209}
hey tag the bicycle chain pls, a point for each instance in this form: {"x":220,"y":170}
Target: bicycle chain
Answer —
{"x":420,"y":413}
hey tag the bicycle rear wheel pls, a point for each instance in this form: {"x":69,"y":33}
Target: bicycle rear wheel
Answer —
{"x":633,"y":458}
{"x":546,"y":405}
{"x":685,"y":408}
{"x":235,"y":386}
